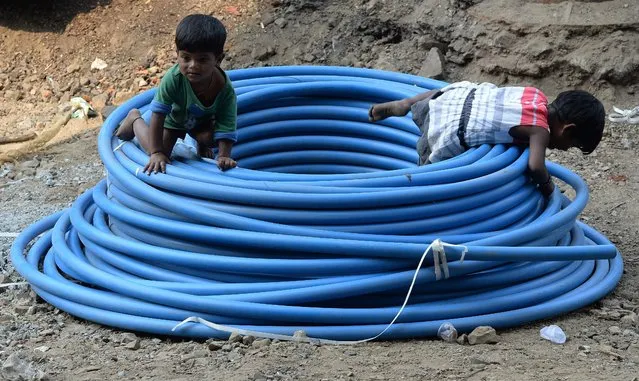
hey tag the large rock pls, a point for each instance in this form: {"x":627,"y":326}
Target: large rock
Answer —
{"x":16,"y":368}
{"x":433,"y":66}
{"x":100,"y":101}
{"x":483,"y":335}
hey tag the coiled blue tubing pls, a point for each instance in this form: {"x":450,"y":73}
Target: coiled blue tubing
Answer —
{"x":320,"y":228}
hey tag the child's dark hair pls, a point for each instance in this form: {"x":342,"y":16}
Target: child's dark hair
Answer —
{"x":586,"y":112}
{"x":200,"y":33}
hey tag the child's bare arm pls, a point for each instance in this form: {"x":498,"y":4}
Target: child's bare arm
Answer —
{"x":224,"y":160}
{"x":159,"y":159}
{"x":538,"y":141}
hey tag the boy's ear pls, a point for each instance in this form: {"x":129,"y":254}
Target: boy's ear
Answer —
{"x":568,"y":129}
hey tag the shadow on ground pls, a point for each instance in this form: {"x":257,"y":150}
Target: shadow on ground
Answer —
{"x":43,"y":15}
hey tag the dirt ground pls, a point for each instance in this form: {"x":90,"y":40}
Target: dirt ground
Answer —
{"x":47,"y":48}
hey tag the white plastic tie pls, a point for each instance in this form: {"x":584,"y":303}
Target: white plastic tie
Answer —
{"x":8,"y":235}
{"x":437,"y":246}
{"x":630,"y":116}
{"x":119,"y":146}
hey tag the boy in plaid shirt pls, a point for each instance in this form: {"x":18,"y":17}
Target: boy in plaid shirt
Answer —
{"x":465,"y":114}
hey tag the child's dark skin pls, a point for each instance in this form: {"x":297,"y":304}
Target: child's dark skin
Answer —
{"x":560,"y":136}
{"x":202,"y":71}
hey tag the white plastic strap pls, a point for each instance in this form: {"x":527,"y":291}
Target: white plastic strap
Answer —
{"x":437,"y":247}
{"x":8,"y":235}
{"x":628,"y":116}
{"x":5,"y":285}
{"x":119,"y":146}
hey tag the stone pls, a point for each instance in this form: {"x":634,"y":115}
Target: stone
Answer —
{"x":153,"y":70}
{"x":46,"y":94}
{"x":195,"y":355}
{"x":630,"y":320}
{"x":66,"y":97}
{"x":73,"y":68}
{"x":142,"y":82}
{"x":46,"y":332}
{"x":100,"y":101}
{"x":107,"y":110}
{"x":505,"y":39}
{"x":427,"y":43}
{"x":614,"y":330}
{"x":227,"y":347}
{"x":128,"y":337}
{"x":585,"y":348}
{"x":308,"y":57}
{"x":384,"y":62}
{"x":248,"y":340}
{"x":98,"y":64}
{"x":26,"y":124}
{"x":483,"y":335}
{"x":13,"y":95}
{"x":214,"y":345}
{"x":433,"y":65}
{"x":463,"y":339}
{"x":134,"y":345}
{"x":262,"y":53}
{"x":122,"y":96}
{"x":16,"y":368}
{"x":235,"y":338}
{"x":21,"y":310}
{"x":262,"y":343}
{"x":281,"y":22}
{"x":268,"y":19}
{"x":33,"y":163}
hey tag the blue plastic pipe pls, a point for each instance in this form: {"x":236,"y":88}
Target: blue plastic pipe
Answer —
{"x":320,"y":228}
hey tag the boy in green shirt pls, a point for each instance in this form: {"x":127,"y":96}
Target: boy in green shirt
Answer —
{"x":195,"y":97}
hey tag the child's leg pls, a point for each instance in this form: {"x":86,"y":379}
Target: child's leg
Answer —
{"x":204,"y":136}
{"x":397,"y":108}
{"x":134,"y":126}
{"x":384,"y":110}
{"x":125,"y":130}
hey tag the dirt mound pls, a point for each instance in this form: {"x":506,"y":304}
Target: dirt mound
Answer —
{"x":48,"y":47}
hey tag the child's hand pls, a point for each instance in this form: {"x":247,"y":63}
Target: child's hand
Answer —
{"x":547,"y":188}
{"x":225,"y":163}
{"x":157,"y":163}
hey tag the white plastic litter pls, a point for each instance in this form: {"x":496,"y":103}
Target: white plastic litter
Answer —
{"x":553,"y":334}
{"x":447,"y":332}
{"x":82,"y":108}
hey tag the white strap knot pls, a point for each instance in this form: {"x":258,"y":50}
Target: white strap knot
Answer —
{"x":628,"y":116}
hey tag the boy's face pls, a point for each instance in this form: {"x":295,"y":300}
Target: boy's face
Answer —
{"x":197,"y":67}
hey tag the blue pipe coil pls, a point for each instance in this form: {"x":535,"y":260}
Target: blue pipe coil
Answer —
{"x":320,"y":228}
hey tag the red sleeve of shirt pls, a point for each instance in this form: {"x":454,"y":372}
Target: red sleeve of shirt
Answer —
{"x":534,"y":108}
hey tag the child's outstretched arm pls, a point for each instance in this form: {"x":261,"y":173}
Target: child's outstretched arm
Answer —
{"x":538,"y":141}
